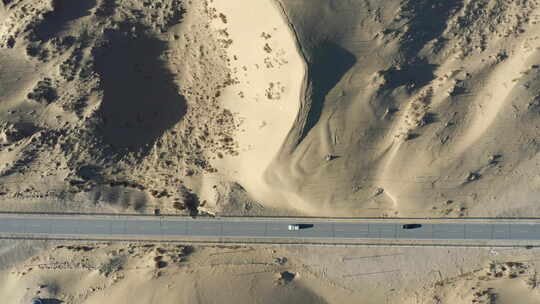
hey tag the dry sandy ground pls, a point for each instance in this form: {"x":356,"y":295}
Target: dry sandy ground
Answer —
{"x":379,"y":108}
{"x":270,"y":107}
{"x":168,"y":273}
{"x":133,"y":105}
{"x":414,"y":103}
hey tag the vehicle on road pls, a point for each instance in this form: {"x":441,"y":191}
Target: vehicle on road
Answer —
{"x":293,"y":227}
{"x":411,"y":226}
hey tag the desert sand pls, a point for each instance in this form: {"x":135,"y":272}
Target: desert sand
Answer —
{"x":200,"y":107}
{"x":417,"y":104}
{"x":394,"y":108}
{"x":179,"y":273}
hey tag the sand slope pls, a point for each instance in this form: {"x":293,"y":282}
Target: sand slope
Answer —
{"x":266,"y":96}
{"x":391,"y":108}
{"x":171,"y":273}
{"x":410,"y":105}
{"x":269,"y":107}
{"x":123,"y":96}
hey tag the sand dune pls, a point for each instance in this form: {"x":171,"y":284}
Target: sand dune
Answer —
{"x":414,"y":112}
{"x":390,"y":108}
{"x":265,"y":100}
{"x":269,"y":107}
{"x":168,"y":273}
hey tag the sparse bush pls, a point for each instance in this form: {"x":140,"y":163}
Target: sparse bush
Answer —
{"x":43,"y":92}
{"x":189,"y":201}
{"x":111,"y":266}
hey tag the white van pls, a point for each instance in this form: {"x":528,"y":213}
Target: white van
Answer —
{"x":293,"y":227}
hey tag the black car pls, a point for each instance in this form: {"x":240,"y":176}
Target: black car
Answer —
{"x":411,"y":226}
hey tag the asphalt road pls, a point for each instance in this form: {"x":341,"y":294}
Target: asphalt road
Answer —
{"x":129,"y":227}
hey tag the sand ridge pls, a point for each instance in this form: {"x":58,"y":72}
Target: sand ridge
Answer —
{"x":402,"y":119}
{"x":272,"y":107}
{"x":188,"y":106}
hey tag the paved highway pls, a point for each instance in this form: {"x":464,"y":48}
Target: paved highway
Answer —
{"x":171,"y":228}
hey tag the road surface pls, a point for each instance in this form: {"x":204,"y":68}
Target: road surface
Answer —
{"x":170,"y":228}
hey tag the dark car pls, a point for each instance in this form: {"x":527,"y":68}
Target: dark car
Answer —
{"x":411,"y":226}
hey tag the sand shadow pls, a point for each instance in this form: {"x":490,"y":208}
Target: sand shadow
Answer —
{"x":64,"y":12}
{"x":292,"y":292}
{"x":90,"y":172}
{"x":329,"y":62}
{"x":140,"y":97}
{"x":427,"y":25}
{"x":119,"y":197}
{"x":306,"y":226}
{"x":50,"y":301}
{"x":106,"y":8}
{"x":414,"y":75}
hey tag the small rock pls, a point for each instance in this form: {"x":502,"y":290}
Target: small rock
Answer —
{"x":473,"y":176}
{"x":494,"y":159}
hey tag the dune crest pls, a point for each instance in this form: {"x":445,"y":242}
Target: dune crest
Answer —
{"x":408,"y":123}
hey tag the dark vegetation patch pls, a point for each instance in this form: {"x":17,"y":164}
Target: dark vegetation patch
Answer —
{"x":89,"y":172}
{"x":11,"y":42}
{"x":286,"y":277}
{"x":188,"y":201}
{"x":43,"y":92}
{"x":106,"y":8}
